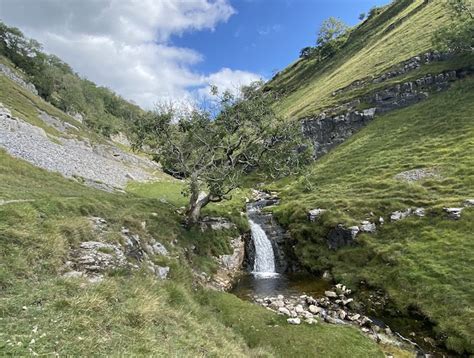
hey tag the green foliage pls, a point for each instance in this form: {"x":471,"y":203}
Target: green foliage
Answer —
{"x":214,"y":152}
{"x":104,"y":111}
{"x":460,"y":36}
{"x":425,"y":262}
{"x":401,"y":30}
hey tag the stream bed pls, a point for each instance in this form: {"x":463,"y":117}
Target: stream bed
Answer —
{"x":268,"y":277}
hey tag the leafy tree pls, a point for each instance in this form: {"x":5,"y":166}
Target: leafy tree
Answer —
{"x":213,"y":153}
{"x":362,"y":16}
{"x":459,"y":36}
{"x":331,"y":29}
{"x":307,"y":52}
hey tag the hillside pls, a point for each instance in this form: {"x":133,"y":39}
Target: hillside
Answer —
{"x":415,"y":152}
{"x":97,"y":259}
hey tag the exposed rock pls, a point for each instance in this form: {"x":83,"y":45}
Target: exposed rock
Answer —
{"x":96,"y":257}
{"x":314,"y":214}
{"x":162,"y":272}
{"x":159,"y":249}
{"x":99,"y":163}
{"x":330,"y":294}
{"x":367,"y":226}
{"x":314,"y":309}
{"x":229,"y":265}
{"x":335,"y":125}
{"x":417,"y":174}
{"x":340,"y":237}
{"x":399,"y":215}
{"x":454,"y":213}
{"x":469,"y":202}
{"x":294,"y":321}
{"x":56,"y":123}
{"x":8,"y":72}
{"x":120,"y":138}
{"x":420,"y":212}
{"x":284,"y":311}
{"x":216,"y":223}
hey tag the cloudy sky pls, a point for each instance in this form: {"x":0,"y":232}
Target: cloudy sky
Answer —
{"x":149,"y":50}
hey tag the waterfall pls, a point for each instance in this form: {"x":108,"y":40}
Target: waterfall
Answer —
{"x":264,"y":265}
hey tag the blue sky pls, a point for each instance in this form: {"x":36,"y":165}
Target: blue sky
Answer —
{"x":159,"y":50}
{"x":267,"y":35}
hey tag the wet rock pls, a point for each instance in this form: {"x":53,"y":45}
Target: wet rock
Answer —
{"x":354,"y":317}
{"x":216,"y":223}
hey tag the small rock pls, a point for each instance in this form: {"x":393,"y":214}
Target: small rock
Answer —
{"x":420,"y":212}
{"x":295,"y":320}
{"x":381,"y":220}
{"x":354,"y":231}
{"x":354,"y":317}
{"x":299,"y":309}
{"x":342,"y":314}
{"x":367,"y":226}
{"x":314,"y":309}
{"x":314,"y":214}
{"x":162,"y":272}
{"x":330,"y":294}
{"x":280,"y":297}
{"x":285,"y":311}
{"x":469,"y":202}
{"x":346,"y":302}
{"x":311,"y":321}
{"x":73,"y":274}
{"x":454,"y":213}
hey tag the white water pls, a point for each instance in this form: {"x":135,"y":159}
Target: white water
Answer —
{"x":264,"y":265}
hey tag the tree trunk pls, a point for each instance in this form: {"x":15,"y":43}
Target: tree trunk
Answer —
{"x":197,"y":201}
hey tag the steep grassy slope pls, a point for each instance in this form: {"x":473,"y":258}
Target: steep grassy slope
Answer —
{"x":129,"y":313}
{"x":402,"y":30}
{"x":423,"y":263}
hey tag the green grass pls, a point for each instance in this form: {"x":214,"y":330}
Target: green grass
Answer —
{"x":426,"y":263}
{"x":372,"y":48}
{"x":24,"y":105}
{"x":129,"y":313}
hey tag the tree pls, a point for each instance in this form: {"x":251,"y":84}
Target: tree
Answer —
{"x":307,"y":52}
{"x":362,"y":16}
{"x":214,"y":152}
{"x":459,"y":36}
{"x":331,"y":29}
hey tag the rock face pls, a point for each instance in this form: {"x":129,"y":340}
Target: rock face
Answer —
{"x":229,"y":266}
{"x":6,"y":71}
{"x":335,"y":125}
{"x":417,"y":174}
{"x":340,"y":236}
{"x":100,"y":165}
{"x":92,"y":259}
{"x":326,"y":132}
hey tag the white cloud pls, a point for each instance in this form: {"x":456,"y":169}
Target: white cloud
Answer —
{"x":123,"y":44}
{"x":227,"y":79}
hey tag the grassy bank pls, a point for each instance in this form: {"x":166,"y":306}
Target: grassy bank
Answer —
{"x":129,"y":312}
{"x":423,"y":263}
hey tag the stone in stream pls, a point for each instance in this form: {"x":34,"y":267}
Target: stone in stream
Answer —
{"x":314,"y":309}
{"x":354,"y":317}
{"x":299,"y":309}
{"x":295,"y":320}
{"x":277,"y":304}
{"x":330,"y":294}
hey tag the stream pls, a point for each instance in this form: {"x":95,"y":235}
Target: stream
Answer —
{"x":268,"y":274}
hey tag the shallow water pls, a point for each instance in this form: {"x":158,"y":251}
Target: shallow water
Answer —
{"x":250,"y":285}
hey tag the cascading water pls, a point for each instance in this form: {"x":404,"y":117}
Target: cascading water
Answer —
{"x":264,"y":265}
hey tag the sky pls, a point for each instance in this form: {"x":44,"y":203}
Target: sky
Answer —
{"x":153,"y":50}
